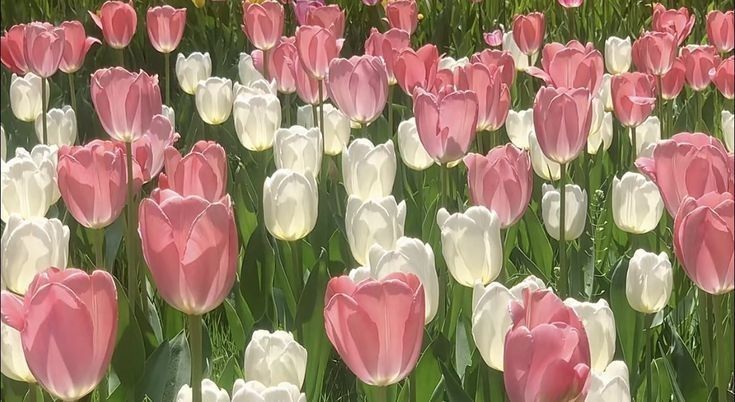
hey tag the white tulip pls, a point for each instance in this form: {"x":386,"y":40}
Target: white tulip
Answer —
{"x":170,"y":114}
{"x":29,"y":183}
{"x":61,"y":126}
{"x":412,"y":151}
{"x":491,"y":316}
{"x":637,"y":205}
{"x":12,"y":359}
{"x":192,"y":69}
{"x":649,"y":281}
{"x":471,"y":244}
{"x":247,"y":71}
{"x":602,"y":137}
{"x":609,"y":386}
{"x":299,"y":149}
{"x":336,"y":128}
{"x":290,"y":204}
{"x":257,"y":118}
{"x":272,"y":358}
{"x":646,"y":135}
{"x":25,"y":96}
{"x":368,"y":171}
{"x":728,"y":129}
{"x":510,"y":46}
{"x":253,"y":391}
{"x":575,"y":212}
{"x":542,"y":166}
{"x":214,"y":100}
{"x":606,"y":92}
{"x":210,"y":393}
{"x":258,"y":87}
{"x":618,"y":55}
{"x":599,"y":323}
{"x":519,"y":126}
{"x":449,"y":63}
{"x":3,"y":143}
{"x":376,"y":221}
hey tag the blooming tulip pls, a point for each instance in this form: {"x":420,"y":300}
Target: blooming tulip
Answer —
{"x":599,"y":324}
{"x":413,"y":154}
{"x":724,"y":77}
{"x":192,"y":69}
{"x":307,"y":87}
{"x":118,"y":21}
{"x":576,"y":211}
{"x":571,"y":66}
{"x":76,"y":312}
{"x":500,"y":60}
{"x":316,"y":47}
{"x":29,"y":184}
{"x":299,"y":149}
{"x":44,"y":46}
{"x":634,"y":97}
{"x":253,"y":391}
{"x":369,"y":170}
{"x":519,"y":126}
{"x":263,"y":23}
{"x":654,"y":52}
{"x":202,"y":172}
{"x":336,"y":130}
{"x":12,"y":360}
{"x":520,"y":60}
{"x":649,"y":281}
{"x":290,"y":204}
{"x":165,"y":27}
{"x":376,"y":326}
{"x":255,"y":88}
{"x":376,"y":221}
{"x":387,"y":46}
{"x":528,"y":32}
{"x":210,"y":393}
{"x":62,"y":126}
{"x":328,"y":16}
{"x":257,"y":118}
{"x":272,"y":358}
{"x":727,"y":121}
{"x":570,"y":3}
{"x":452,"y":64}
{"x":416,"y":68}
{"x":605,"y":95}
{"x":282,"y":65}
{"x":25,"y":96}
{"x":704,"y":232}
{"x":542,"y":165}
{"x":13,"y":49}
{"x":603,"y":137}
{"x":678,"y":22}
{"x":214,"y":100}
{"x":699,"y":60}
{"x":672,"y":82}
{"x":76,"y":46}
{"x":610,"y":385}
{"x":493,"y":95}
{"x":359,"y":87}
{"x":648,"y":135}
{"x":562,"y":120}
{"x":247,"y":71}
{"x":159,"y":136}
{"x":403,"y":14}
{"x":720,"y":30}
{"x":636,"y":203}
{"x":618,"y":54}
{"x":190,"y":246}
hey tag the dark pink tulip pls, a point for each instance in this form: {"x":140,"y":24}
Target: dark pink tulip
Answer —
{"x":202,"y":172}
{"x":387,"y":46}
{"x":677,"y":22}
{"x":699,"y":60}
{"x":12,"y":49}
{"x":190,"y":246}
{"x":570,"y":3}
{"x":68,"y":324}
{"x":499,"y":59}
{"x":307,"y":87}
{"x":152,"y":145}
{"x":673,"y":82}
{"x":724,"y":77}
{"x":376,"y":326}
{"x":330,"y":17}
{"x":44,"y":46}
{"x":493,"y":96}
{"x":125,"y":102}
{"x":76,"y":46}
{"x":528,"y":32}
{"x":358,"y":86}
{"x":704,"y":233}
{"x":302,"y":7}
{"x":403,"y":14}
{"x":316,"y":46}
{"x":634,"y":97}
{"x":416,"y":68}
{"x":571,"y":66}
{"x":494,"y":38}
{"x":721,"y":30}
{"x":502,"y":181}
{"x":118,"y":21}
{"x":688,"y":165}
{"x":282,"y":64}
{"x":654,"y":52}
{"x":165,"y":27}
{"x":446,"y":122}
{"x":263,"y":23}
{"x":562,"y":119}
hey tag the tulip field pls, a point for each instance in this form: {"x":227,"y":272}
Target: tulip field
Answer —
{"x":367,"y":200}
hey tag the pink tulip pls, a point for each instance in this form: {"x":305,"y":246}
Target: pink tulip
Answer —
{"x":202,"y":172}
{"x":44,"y":46}
{"x":282,"y":64}
{"x":654,"y":52}
{"x":634,"y":97}
{"x":688,"y":165}
{"x":571,"y":66}
{"x":118,"y":21}
{"x":570,"y":3}
{"x":263,"y":23}
{"x":76,"y":46}
{"x":493,"y":95}
{"x":704,"y":232}
{"x":12,"y":49}
{"x":416,"y":68}
{"x":125,"y":102}
{"x":502,"y":60}
{"x":330,"y":17}
{"x":724,"y":77}
{"x":677,"y":22}
{"x":562,"y":119}
{"x":358,"y":86}
{"x":721,"y":30}
{"x":302,"y":7}
{"x":387,"y":46}
{"x":494,"y":38}
{"x":376,"y":326}
{"x":501,"y":181}
{"x":370,"y":2}
{"x":190,"y":246}
{"x":68,"y":324}
{"x":165,"y":27}
{"x":446,"y":122}
{"x":699,"y":60}
{"x":152,"y":145}
{"x":307,"y":87}
{"x":403,"y":14}
{"x":673,"y":82}
{"x":528,"y":32}
{"x":316,"y":46}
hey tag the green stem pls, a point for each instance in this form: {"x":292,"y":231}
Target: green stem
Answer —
{"x":705,"y":334}
{"x":321,"y":106}
{"x":651,"y":350}
{"x":167,"y":74}
{"x":298,"y":266}
{"x":121,"y":57}
{"x":72,"y":92}
{"x":563,"y":269}
{"x":44,"y":107}
{"x":131,"y":223}
{"x":634,"y":144}
{"x":315,"y":117}
{"x":195,"y":346}
{"x":660,"y":108}
{"x":99,"y":242}
{"x":265,"y":65}
{"x":444,"y":180}
{"x":288,"y":99}
{"x":723,"y":377}
{"x":392,"y":132}
{"x":698,"y":96}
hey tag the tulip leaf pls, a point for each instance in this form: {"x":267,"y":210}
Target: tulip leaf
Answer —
{"x":166,"y":370}
{"x":625,"y":317}
{"x":129,"y":355}
{"x":427,"y":375}
{"x":229,"y":374}
{"x":35,"y":394}
{"x":687,"y":376}
{"x":663,"y":388}
{"x":250,"y":277}
{"x":237,"y":332}
{"x":113,"y":238}
{"x":455,"y":393}
{"x":540,"y":248}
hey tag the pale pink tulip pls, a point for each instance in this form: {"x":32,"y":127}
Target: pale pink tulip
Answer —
{"x":403,"y":14}
{"x":634,"y":97}
{"x":283,"y":60}
{"x":263,"y":23}
{"x":502,"y":60}
{"x":44,"y":47}
{"x":317,"y":47}
{"x":571,"y":66}
{"x":562,"y":119}
{"x":721,"y":30}
{"x":118,"y":21}
{"x":12,"y":49}
{"x":358,"y":86}
{"x":493,"y":95}
{"x":699,"y":60}
{"x":302,"y":7}
{"x":387,"y":46}
{"x":330,"y":17}
{"x":307,"y":87}
{"x":76,"y":46}
{"x":673,"y":81}
{"x":724,"y":77}
{"x":202,"y":172}
{"x":677,"y":22}
{"x":570,"y":3}
{"x":153,"y":143}
{"x":416,"y":68}
{"x":165,"y":27}
{"x":528,"y":32}
{"x":654,"y":52}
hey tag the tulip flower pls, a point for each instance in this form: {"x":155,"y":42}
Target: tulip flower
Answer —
{"x":368,"y":171}
{"x":247,"y":71}
{"x":12,"y":54}
{"x":704,"y":232}
{"x":727,"y":122}
{"x":257,"y":118}
{"x":44,"y":46}
{"x":721,"y":30}
{"x":61,"y":126}
{"x":654,"y":52}
{"x":214,"y":100}
{"x":256,"y":88}
{"x":416,"y":68}
{"x":575,"y":208}
{"x":649,"y":281}
{"x":636,"y":203}
{"x":698,"y":61}
{"x":688,"y":165}
{"x":358,"y":86}
{"x":648,"y":135}
{"x":413,"y":154}
{"x":192,"y":69}
{"x":76,"y":312}
{"x":210,"y":393}
{"x":330,"y":17}
{"x":336,"y":130}
{"x":307,"y":87}
{"x":298,"y":148}
{"x":76,"y":46}
{"x":290,"y":204}
{"x":3,"y":143}
{"x":724,"y":77}
{"x":452,"y":64}
{"x":30,"y":246}
{"x":500,"y":60}
{"x":302,"y":7}
{"x":510,"y":47}
{"x":519,"y":126}
{"x":493,"y":95}
{"x":387,"y":46}
{"x":282,"y":66}
{"x":528,"y":32}
{"x":316,"y":47}
{"x":673,"y":81}
{"x":28,"y":183}
{"x":118,"y":21}
{"x":571,"y":66}
{"x":570,"y":3}
{"x":376,"y":221}
{"x":605,"y":95}
{"x":542,"y":166}
{"x":618,"y":54}
{"x":634,"y":98}
{"x":165,"y":27}
{"x":376,"y":326}
{"x":253,"y":391}
{"x":272,"y":358}
{"x":679,"y":22}
{"x":12,"y":360}
{"x":610,"y":385}
{"x":494,"y":38}
{"x":562,"y":120}
{"x":263,"y":23}
{"x":403,"y":14}
{"x":202,"y":172}
{"x":599,"y":324}
{"x":190,"y":246}
{"x":153,"y":144}
{"x":601,"y":140}
{"x":25,"y":96}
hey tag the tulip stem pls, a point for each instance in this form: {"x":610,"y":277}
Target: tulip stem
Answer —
{"x":166,"y":74}
{"x":265,"y":65}
{"x":132,"y":221}
{"x":634,"y":144}
{"x":721,"y":354}
{"x":298,"y":266}
{"x":704,"y":317}
{"x":195,"y":346}
{"x":321,"y":106}
{"x":444,"y":179}
{"x":121,"y":57}
{"x":660,"y":107}
{"x":563,"y":284}
{"x":315,"y":117}
{"x":391,"y":132}
{"x":44,"y":104}
{"x":72,"y":92}
{"x":99,"y":241}
{"x":649,"y":353}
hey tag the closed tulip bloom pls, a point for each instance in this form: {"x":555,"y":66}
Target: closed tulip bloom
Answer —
{"x":520,"y":59}
{"x":118,"y":21}
{"x":214,"y":100}
{"x":387,"y":45}
{"x":727,"y":121}
{"x":704,"y":232}
{"x":519,"y":126}
{"x":605,"y":95}
{"x":376,"y":326}
{"x":256,"y":88}
{"x":263,"y":23}
{"x":253,"y":391}
{"x":25,"y":96}
{"x":494,"y":38}
{"x":688,"y":165}
{"x":724,"y":77}
{"x":599,"y":324}
{"x":257,"y":118}
{"x":562,"y":120}
{"x":416,"y":68}
{"x":721,"y":30}
{"x":76,"y":312}
{"x":452,"y":64}
{"x":634,"y":97}
{"x":29,"y":183}
{"x":618,"y":54}
{"x":201,"y":172}
{"x":12,"y":360}
{"x":542,"y":165}
{"x":336,"y":130}
{"x":328,"y":16}
{"x":648,"y":135}
{"x":290,"y":204}
{"x":649,"y":281}
{"x":699,"y":60}
{"x":528,"y":32}
{"x":610,"y":385}
{"x":673,"y":81}
{"x":602,"y":139}
{"x":369,"y":170}
{"x":12,"y":54}
{"x":61,"y":124}
{"x":44,"y":46}
{"x":76,"y":46}
{"x":316,"y":47}
{"x":153,"y":144}
{"x":679,"y":22}
{"x":190,"y":246}
{"x":376,"y":221}
{"x":403,"y":14}
{"x":247,"y":71}
{"x":576,"y":211}
{"x":302,"y":7}
{"x":358,"y":86}
{"x":192,"y":69}
{"x":299,"y":149}
{"x":307,"y":87}
{"x":210,"y":393}
{"x":412,"y":151}
{"x":493,"y":95}
{"x":654,"y":52}
{"x":500,"y":60}
{"x":571,"y":66}
{"x":30,"y":246}
{"x":272,"y":358}
{"x":282,"y":66}
{"x":636,"y":203}
{"x":165,"y":27}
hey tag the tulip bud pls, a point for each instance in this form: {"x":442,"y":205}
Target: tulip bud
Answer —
{"x":720,"y":30}
{"x":410,"y":148}
{"x":571,"y":66}
{"x":649,"y":281}
{"x":327,"y":16}
{"x":562,"y":120}
{"x":648,"y":134}
{"x":678,"y":22}
{"x":263,"y":23}
{"x":520,"y":60}
{"x":636,"y":203}
{"x":210,"y":393}
{"x":673,"y":81}
{"x":359,"y":87}
{"x":723,"y":76}
{"x":29,"y":183}
{"x":416,"y":68}
{"x":336,"y":130}
{"x":274,"y":358}
{"x":12,"y":360}
{"x":618,"y":55}
{"x":253,"y":391}
{"x":519,"y":126}
{"x":728,"y":129}
{"x":192,"y":69}
{"x":44,"y":46}
{"x":610,"y":385}
{"x":201,"y":172}
{"x":375,"y":221}
{"x":633,"y":97}
{"x":214,"y":100}
{"x":500,"y":60}
{"x":528,"y":32}
{"x":257,"y":118}
{"x":575,"y":212}
{"x":61,"y":126}
{"x":165,"y":27}
{"x":25,"y":96}
{"x":654,"y":52}
{"x":699,"y":61}
{"x":118,"y":21}
{"x":316,"y":47}
{"x":542,"y":166}
{"x":368,"y":170}
{"x":402,"y":14}
{"x":298,"y":149}
{"x":599,"y":324}
{"x":603,"y":137}
{"x":247,"y":71}
{"x":493,"y":95}
{"x":282,"y":192}
{"x":471,"y":245}
{"x":606,"y":93}
{"x":13,"y":49}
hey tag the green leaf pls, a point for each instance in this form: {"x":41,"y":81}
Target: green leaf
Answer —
{"x":168,"y":368}
{"x":230,"y":373}
{"x":237,"y":332}
{"x":455,"y":393}
{"x":690,"y":380}
{"x":541,"y":252}
{"x":129,"y":356}
{"x":427,"y":376}
{"x":625,"y":317}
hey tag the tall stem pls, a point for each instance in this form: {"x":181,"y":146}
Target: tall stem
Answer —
{"x":723,"y":377}
{"x":167,"y":76}
{"x":72,"y":92}
{"x":698,"y":96}
{"x":563,"y":269}
{"x":634,"y":143}
{"x":44,"y":104}
{"x":287,"y":108}
{"x":195,"y":346}
{"x":444,"y":179}
{"x":660,"y":107}
{"x":132,"y":221}
{"x":705,"y":334}
{"x":315,"y":117}
{"x":298,"y":265}
{"x":99,"y":248}
{"x":650,"y":352}
{"x":392,"y":132}
{"x":121,"y":57}
{"x":265,"y":65}
{"x":321,"y":106}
